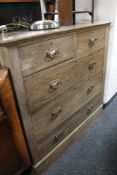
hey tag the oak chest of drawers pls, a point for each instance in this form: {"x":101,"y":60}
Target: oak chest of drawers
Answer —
{"x":58,"y":76}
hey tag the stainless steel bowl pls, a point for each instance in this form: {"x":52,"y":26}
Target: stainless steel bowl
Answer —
{"x":44,"y":25}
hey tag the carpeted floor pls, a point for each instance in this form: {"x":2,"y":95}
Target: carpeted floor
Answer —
{"x":95,"y":153}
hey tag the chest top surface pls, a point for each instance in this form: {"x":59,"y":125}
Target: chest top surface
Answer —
{"x":12,"y":38}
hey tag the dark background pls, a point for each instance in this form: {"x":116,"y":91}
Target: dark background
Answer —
{"x":14,"y":12}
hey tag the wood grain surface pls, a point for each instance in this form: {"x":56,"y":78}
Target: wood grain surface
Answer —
{"x":69,"y":73}
{"x":47,"y":143}
{"x":23,"y":37}
{"x":12,"y":128}
{"x":55,"y":153}
{"x":34,"y":56}
{"x":70,"y":102}
{"x":65,"y":12}
{"x":70,"y":82}
{"x":97,"y":36}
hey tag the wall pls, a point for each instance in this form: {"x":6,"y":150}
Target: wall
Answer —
{"x":105,"y":10}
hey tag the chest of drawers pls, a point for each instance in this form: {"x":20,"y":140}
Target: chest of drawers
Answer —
{"x":58,"y":77}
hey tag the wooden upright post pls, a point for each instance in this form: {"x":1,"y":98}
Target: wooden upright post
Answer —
{"x":65,"y":8}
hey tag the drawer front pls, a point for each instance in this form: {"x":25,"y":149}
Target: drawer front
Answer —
{"x":53,"y":138}
{"x":62,"y":107}
{"x":90,"y":41}
{"x":92,"y":63}
{"x":36,"y":57}
{"x":46,"y":85}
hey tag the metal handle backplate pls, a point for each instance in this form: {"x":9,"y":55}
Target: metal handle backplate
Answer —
{"x":91,"y":65}
{"x":51,"y":53}
{"x":54,"y":84}
{"x":56,"y":113}
{"x":58,"y":136}
{"x":89,"y":109}
{"x":92,"y":41}
{"x":90,"y":89}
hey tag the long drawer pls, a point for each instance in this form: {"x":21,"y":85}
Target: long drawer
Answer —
{"x":38,"y":56}
{"x":53,"y":138}
{"x":48,"y":84}
{"x":90,"y":41}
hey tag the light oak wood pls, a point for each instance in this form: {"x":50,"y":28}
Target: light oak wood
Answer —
{"x":55,"y":153}
{"x":45,"y":137}
{"x":84,"y":39}
{"x":38,"y":86}
{"x":34,"y":56}
{"x":22,"y":37}
{"x":71,"y":80}
{"x":69,"y":103}
{"x":92,"y":63}
{"x":69,"y":73}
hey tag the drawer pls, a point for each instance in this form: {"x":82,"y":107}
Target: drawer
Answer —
{"x":46,"y":85}
{"x":53,"y":138}
{"x":90,"y":41}
{"x":92,"y":63}
{"x":38,"y":56}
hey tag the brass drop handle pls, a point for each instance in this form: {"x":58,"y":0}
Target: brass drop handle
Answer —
{"x":54,"y":84}
{"x":56,"y":113}
{"x":90,"y":89}
{"x":91,"y":65}
{"x":58,"y":136}
{"x":89,"y":109}
{"x":92,"y":41}
{"x":51,"y":53}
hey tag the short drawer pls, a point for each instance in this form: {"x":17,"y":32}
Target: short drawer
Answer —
{"x":38,"y":56}
{"x":92,"y":63}
{"x":53,"y":138}
{"x":48,"y":84}
{"x":90,"y":41}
